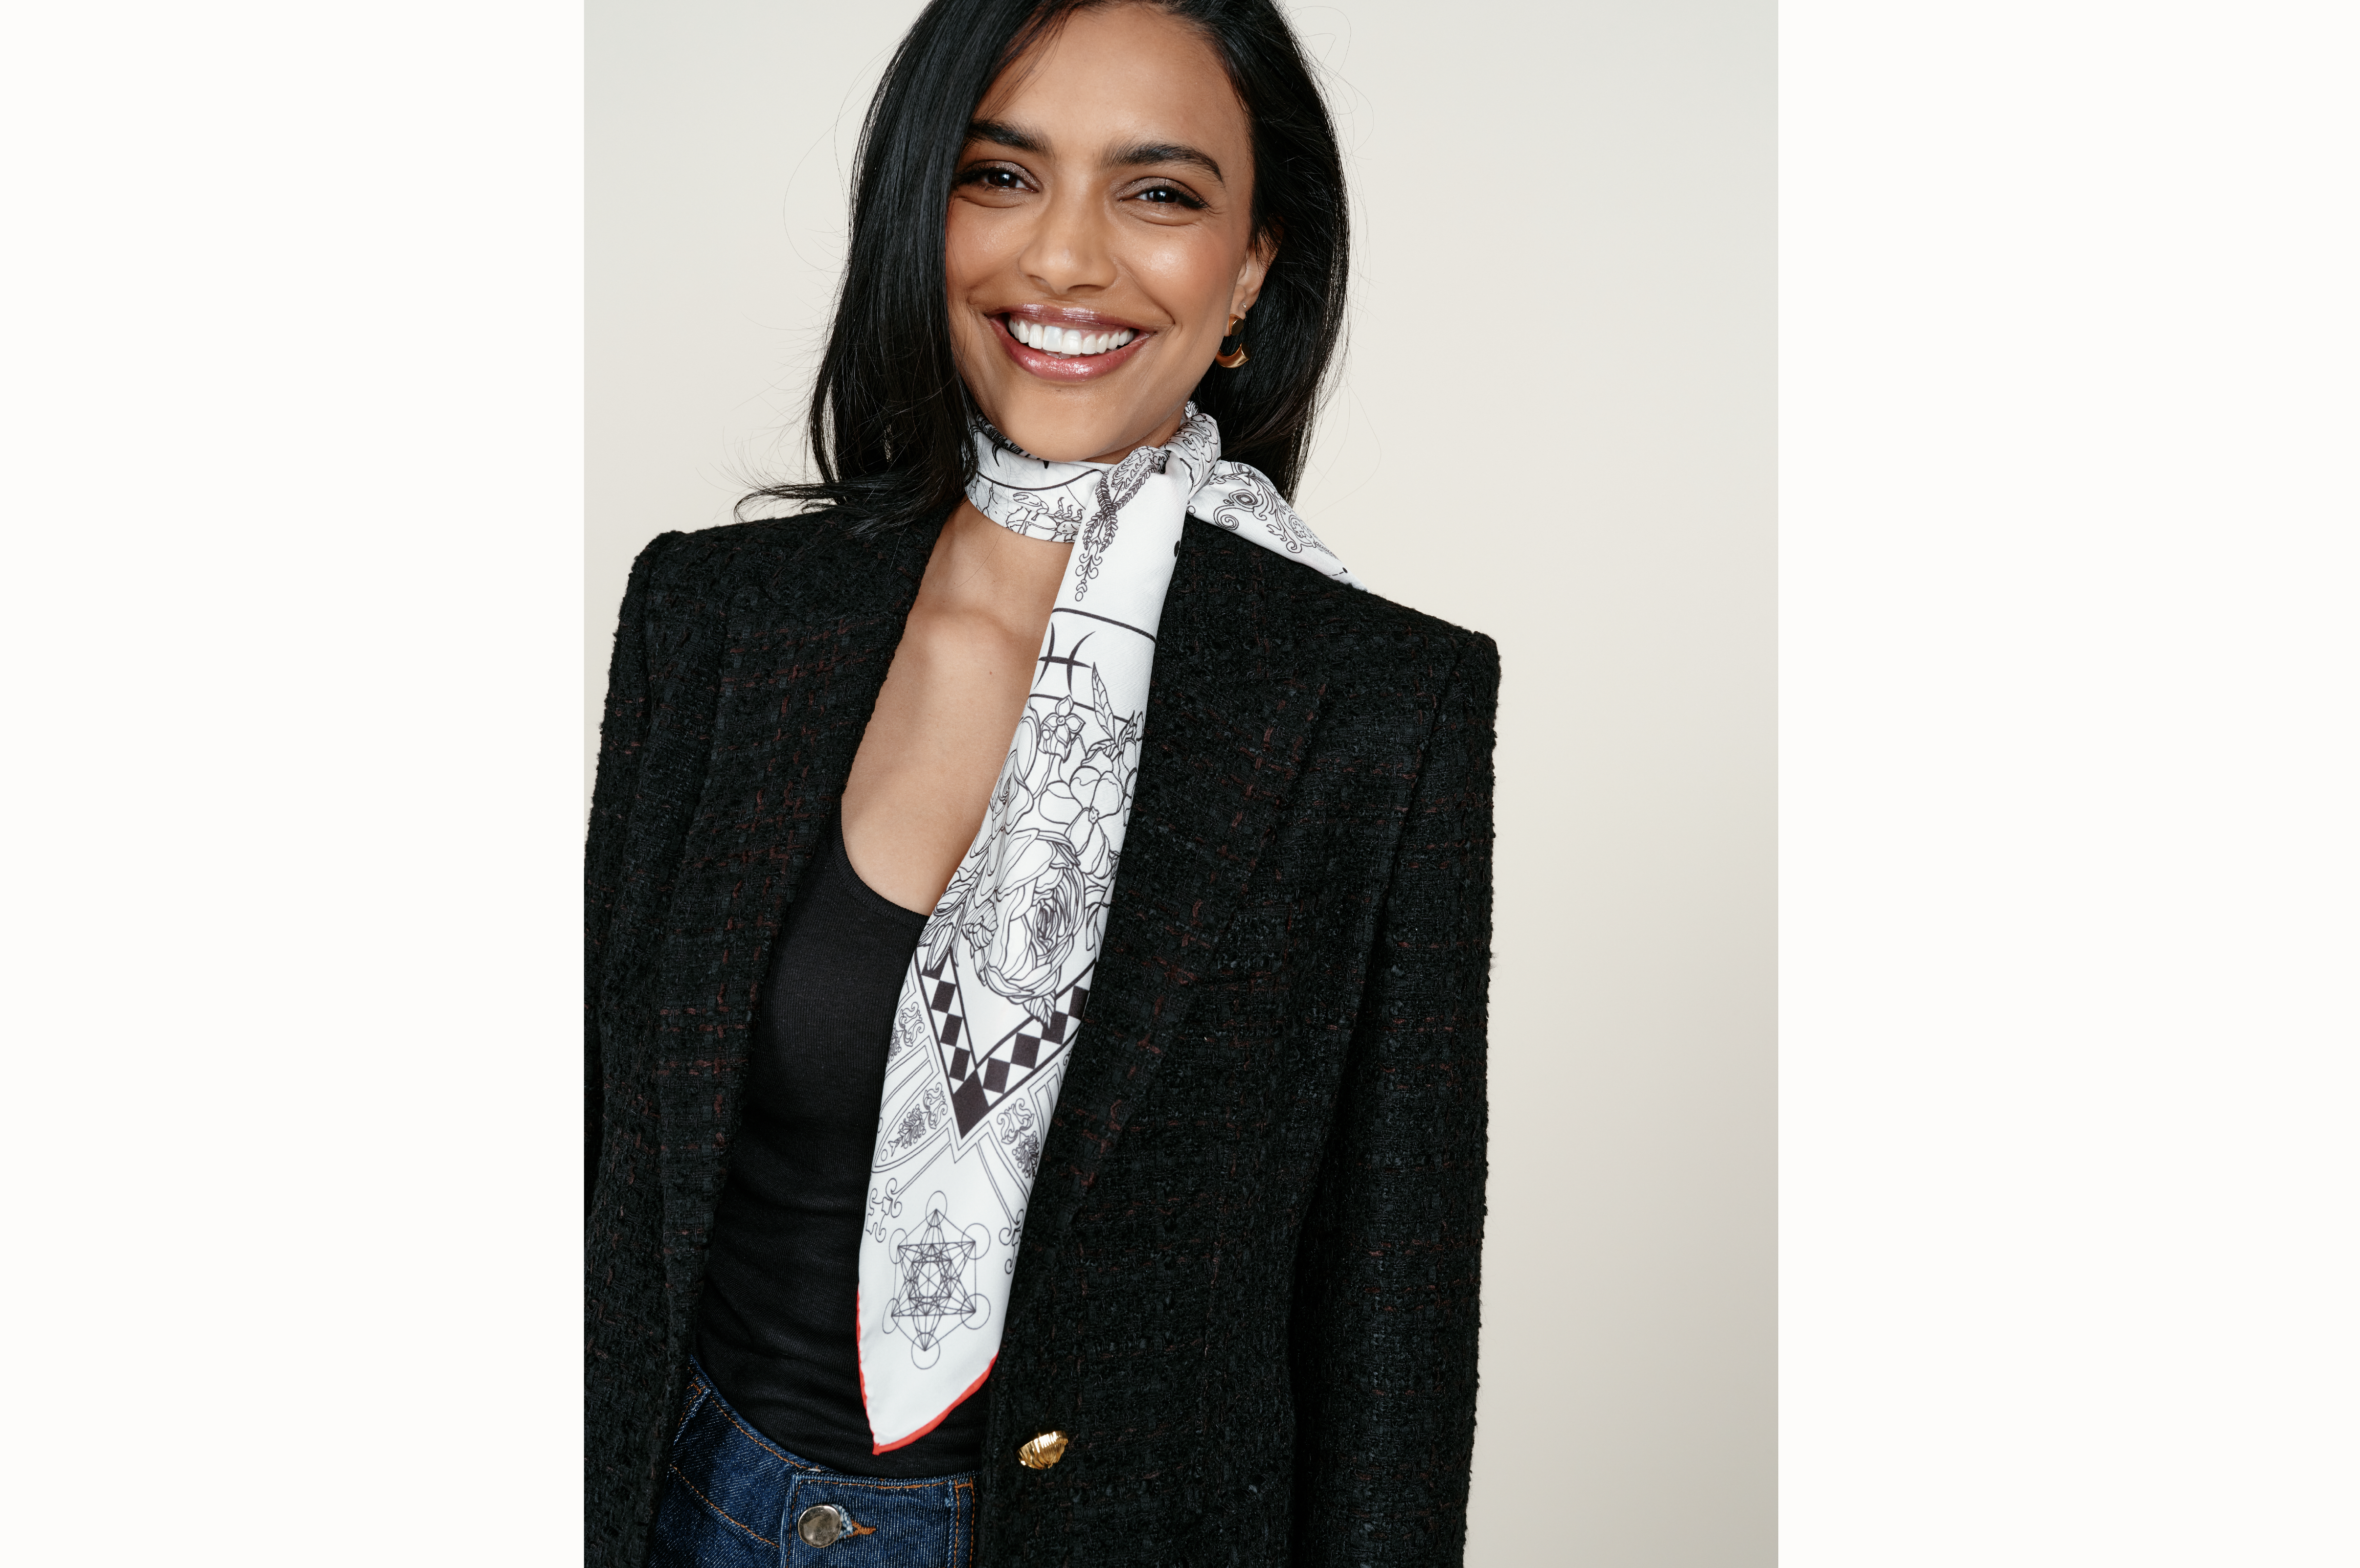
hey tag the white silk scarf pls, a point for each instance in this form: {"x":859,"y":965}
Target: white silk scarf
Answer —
{"x":1000,"y":983}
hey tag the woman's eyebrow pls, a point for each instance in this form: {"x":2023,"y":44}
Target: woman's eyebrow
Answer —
{"x":1140,"y":153}
{"x":1137,"y":155}
{"x":1006,"y":134}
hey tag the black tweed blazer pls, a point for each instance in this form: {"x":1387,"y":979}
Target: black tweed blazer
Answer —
{"x":1247,"y":1289}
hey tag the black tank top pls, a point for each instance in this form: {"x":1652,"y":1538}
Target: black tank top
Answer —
{"x":775,"y":1325}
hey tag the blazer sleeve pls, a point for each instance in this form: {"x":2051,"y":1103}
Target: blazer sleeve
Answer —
{"x":1384,"y":1332}
{"x":622,"y":740}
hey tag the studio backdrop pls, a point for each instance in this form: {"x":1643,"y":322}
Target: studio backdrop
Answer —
{"x":1561,"y":346}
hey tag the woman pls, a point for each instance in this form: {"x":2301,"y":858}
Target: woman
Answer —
{"x":1038,"y":902}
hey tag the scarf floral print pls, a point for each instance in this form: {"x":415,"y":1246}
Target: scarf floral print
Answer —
{"x":997,"y":989}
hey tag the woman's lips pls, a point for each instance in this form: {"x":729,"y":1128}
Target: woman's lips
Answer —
{"x":1065,"y":366}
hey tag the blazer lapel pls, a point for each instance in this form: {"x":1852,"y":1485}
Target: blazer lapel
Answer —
{"x":1231,"y":712}
{"x":1231,"y":709}
{"x":812,"y":630}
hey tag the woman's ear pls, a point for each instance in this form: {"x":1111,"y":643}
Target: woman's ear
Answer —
{"x":1251,"y":272}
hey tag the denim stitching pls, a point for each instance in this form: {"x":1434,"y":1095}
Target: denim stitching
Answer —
{"x":876,"y":1485}
{"x":702,"y":1389}
{"x":709,"y":1503}
{"x":756,"y":1439}
{"x":962,"y":1513}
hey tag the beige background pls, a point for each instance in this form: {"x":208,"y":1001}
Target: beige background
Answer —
{"x":1555,"y":425}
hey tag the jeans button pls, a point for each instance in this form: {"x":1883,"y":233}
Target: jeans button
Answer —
{"x":820,"y":1524}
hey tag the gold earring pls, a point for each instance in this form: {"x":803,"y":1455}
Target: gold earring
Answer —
{"x":1234,"y":347}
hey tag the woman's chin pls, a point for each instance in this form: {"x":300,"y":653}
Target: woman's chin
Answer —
{"x":1056,"y":435}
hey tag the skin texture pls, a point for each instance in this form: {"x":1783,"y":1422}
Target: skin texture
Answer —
{"x":1084,"y":196}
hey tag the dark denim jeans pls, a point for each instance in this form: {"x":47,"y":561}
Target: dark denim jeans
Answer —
{"x":735,"y":1500}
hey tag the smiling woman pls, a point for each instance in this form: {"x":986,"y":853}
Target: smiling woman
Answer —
{"x":1087,"y":212}
{"x":1038,"y":905}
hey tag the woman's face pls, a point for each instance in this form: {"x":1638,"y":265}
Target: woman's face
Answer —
{"x":1105,"y":195}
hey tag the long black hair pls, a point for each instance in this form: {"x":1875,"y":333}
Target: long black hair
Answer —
{"x":888,"y":424}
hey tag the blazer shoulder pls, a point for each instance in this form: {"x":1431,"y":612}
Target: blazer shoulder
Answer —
{"x":1392,"y":651}
{"x":1389,"y":618}
{"x":1365,"y":628}
{"x":687,"y":571}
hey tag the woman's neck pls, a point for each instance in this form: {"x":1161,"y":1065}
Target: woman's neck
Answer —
{"x":979,"y":568}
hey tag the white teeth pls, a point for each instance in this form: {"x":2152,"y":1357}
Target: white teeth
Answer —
{"x":1070,"y":340}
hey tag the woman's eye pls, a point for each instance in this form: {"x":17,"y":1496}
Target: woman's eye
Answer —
{"x":996,"y":178}
{"x":1167,"y":196}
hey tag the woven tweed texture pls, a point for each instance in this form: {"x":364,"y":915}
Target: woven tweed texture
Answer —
{"x":1247,"y":1287}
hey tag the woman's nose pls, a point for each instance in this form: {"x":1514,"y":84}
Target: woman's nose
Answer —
{"x":1070,"y":251}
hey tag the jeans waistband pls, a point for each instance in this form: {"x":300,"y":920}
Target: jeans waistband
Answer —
{"x":735,"y":1500}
